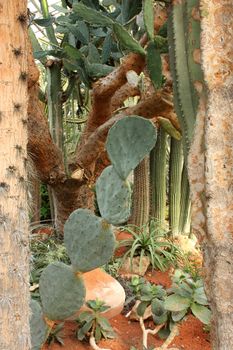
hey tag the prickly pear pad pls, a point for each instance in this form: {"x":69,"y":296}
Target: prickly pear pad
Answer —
{"x":62,"y":292}
{"x":113,"y":196}
{"x":129,"y":141}
{"x":38,"y":327}
{"x":89,"y":240}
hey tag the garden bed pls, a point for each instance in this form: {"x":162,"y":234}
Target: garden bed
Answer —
{"x":128,"y":333}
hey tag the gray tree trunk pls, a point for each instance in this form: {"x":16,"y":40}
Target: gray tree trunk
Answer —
{"x":211,"y":167}
{"x":14,"y":232}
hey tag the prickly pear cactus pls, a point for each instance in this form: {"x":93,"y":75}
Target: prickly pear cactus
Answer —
{"x":113,"y":196}
{"x":38,"y":327}
{"x":62,"y":292}
{"x":89,"y":240}
{"x":128,"y":142}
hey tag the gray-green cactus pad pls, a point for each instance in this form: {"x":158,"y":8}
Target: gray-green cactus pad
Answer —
{"x":129,"y":141}
{"x":113,"y":196}
{"x":38,"y":327}
{"x":89,"y":240}
{"x":62,"y":292}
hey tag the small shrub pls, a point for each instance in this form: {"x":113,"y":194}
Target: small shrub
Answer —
{"x":92,"y":324}
{"x":187,"y":295}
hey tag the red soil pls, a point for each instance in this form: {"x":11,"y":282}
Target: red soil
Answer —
{"x":128,"y":333}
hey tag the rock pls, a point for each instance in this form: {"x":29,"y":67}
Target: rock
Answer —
{"x":102,"y":286}
{"x":135,"y":270}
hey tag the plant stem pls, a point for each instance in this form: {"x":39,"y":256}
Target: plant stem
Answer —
{"x":169,"y":339}
{"x":145,"y":331}
{"x":93,"y":344}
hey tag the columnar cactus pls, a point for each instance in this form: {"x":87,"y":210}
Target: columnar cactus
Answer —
{"x":89,"y":239}
{"x":184,"y":53}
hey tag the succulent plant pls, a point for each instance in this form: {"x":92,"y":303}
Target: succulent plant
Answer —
{"x":89,"y":240}
{"x":38,"y":326}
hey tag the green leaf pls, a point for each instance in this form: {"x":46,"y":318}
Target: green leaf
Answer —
{"x":176,"y":303}
{"x":148,"y":14}
{"x":169,"y":128}
{"x":106,"y":50}
{"x":86,"y":327}
{"x":201,"y":312}
{"x":72,"y":52}
{"x":126,"y":40}
{"x":130,"y":8}
{"x":92,"y":16}
{"x":98,"y":334}
{"x":80,"y":334}
{"x":60,"y":8}
{"x":164,"y":333}
{"x":160,"y":319}
{"x":142,"y":308}
{"x":44,"y":22}
{"x":85,"y":316}
{"x":177,"y":316}
{"x":103,"y":322}
{"x":93,"y":54}
{"x":154,"y":65}
{"x":200,"y":297}
{"x":157,"y":307}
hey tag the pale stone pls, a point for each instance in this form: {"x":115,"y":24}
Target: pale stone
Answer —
{"x":100,"y":285}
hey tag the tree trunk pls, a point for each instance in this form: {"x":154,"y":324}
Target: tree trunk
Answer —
{"x":211,"y":167}
{"x":14,"y":232}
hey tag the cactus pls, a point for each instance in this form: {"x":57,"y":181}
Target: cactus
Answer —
{"x":89,"y":240}
{"x":62,"y":292}
{"x":176,"y":166}
{"x":38,"y":326}
{"x":141,"y":194}
{"x":185,"y":203}
{"x":113,"y":196}
{"x":128,"y":142}
{"x":158,"y":175}
{"x":184,"y":43}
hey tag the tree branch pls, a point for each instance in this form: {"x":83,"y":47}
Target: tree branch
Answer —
{"x":154,"y":106}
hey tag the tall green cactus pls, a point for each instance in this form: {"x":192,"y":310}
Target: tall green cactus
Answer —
{"x":175,"y":172}
{"x":141,"y":194}
{"x":89,"y":239}
{"x":184,"y":45}
{"x":184,"y":53}
{"x":158,"y":175}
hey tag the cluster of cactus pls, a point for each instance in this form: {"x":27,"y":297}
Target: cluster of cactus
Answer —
{"x":183,"y":29}
{"x":89,"y":239}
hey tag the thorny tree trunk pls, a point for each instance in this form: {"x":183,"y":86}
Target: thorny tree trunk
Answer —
{"x":211,"y":167}
{"x":14,"y":232}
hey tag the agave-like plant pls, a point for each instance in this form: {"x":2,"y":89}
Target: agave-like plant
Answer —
{"x":150,"y":240}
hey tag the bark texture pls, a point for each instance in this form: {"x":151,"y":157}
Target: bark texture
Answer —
{"x":211,"y":167}
{"x":14,"y":230}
